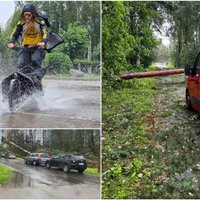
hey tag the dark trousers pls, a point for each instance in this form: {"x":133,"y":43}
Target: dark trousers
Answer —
{"x":33,"y":56}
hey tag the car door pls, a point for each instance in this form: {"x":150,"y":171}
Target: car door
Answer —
{"x":62,"y":161}
{"x":30,"y":157}
{"x":194,"y":84}
{"x":45,"y":157}
{"x":55,"y":161}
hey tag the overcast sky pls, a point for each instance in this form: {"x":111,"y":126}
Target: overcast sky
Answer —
{"x":6,"y":11}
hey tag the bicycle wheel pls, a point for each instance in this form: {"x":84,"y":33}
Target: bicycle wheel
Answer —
{"x":13,"y":95}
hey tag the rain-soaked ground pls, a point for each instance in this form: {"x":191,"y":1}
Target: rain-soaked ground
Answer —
{"x":175,"y":141}
{"x":28,"y":181}
{"x":170,"y":105}
{"x":65,"y":104}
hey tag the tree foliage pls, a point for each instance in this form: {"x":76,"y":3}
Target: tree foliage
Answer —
{"x":184,"y":31}
{"x":116,"y":39}
{"x":140,"y":18}
{"x":76,"y":41}
{"x":128,"y":40}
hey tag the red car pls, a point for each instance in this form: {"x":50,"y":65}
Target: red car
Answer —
{"x":193,"y":84}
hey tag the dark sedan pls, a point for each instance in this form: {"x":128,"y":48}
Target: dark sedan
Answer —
{"x":67,"y":162}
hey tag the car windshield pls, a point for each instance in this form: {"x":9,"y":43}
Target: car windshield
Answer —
{"x":79,"y":157}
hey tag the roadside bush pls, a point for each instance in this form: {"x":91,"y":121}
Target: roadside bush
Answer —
{"x":87,"y":66}
{"x":58,"y":62}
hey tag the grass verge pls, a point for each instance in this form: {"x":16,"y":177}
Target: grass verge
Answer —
{"x":125,"y":114}
{"x":19,"y":158}
{"x":5,"y":174}
{"x":92,"y":171}
{"x":143,"y":156}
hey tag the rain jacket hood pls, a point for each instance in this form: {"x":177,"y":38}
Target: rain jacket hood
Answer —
{"x":29,"y":8}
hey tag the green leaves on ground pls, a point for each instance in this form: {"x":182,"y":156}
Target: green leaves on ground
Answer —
{"x":125,"y":136}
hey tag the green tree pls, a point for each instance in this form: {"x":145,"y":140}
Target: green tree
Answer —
{"x":140,"y":18}
{"x":76,"y":41}
{"x":162,"y":53}
{"x":96,"y":53}
{"x":117,"y":41}
{"x":184,"y":31}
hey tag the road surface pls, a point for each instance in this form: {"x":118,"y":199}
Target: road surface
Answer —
{"x":39,"y":182}
{"x":65,"y":104}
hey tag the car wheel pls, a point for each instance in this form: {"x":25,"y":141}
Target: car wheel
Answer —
{"x":48,"y":165}
{"x":66,"y":169}
{"x":188,"y":100}
{"x":80,"y":171}
{"x":34,"y":163}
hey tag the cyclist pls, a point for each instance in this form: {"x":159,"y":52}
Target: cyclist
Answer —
{"x":31,"y":31}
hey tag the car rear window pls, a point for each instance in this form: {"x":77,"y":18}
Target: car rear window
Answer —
{"x":34,"y":154}
{"x":45,"y":155}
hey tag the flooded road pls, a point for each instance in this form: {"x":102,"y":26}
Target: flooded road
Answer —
{"x":38,"y":182}
{"x":65,"y":104}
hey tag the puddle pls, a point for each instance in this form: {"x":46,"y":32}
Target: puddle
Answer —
{"x":19,"y":180}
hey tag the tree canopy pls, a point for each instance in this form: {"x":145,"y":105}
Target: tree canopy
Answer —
{"x":130,"y":35}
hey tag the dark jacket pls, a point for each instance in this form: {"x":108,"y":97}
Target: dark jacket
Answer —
{"x":18,"y":31}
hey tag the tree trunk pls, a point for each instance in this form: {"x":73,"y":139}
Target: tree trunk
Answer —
{"x":89,"y":54}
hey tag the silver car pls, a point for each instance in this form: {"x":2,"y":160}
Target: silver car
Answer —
{"x":37,"y":159}
{"x":9,"y":155}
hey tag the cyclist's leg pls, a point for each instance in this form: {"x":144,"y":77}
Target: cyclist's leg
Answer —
{"x":37,"y":58}
{"x":23,"y":59}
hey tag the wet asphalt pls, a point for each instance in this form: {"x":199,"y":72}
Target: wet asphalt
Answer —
{"x":38,"y":182}
{"x":65,"y":104}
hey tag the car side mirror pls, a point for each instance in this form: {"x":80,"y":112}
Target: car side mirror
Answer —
{"x":188,"y":70}
{"x":194,"y":71}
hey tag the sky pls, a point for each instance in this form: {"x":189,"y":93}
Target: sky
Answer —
{"x":162,"y":35}
{"x":165,"y":40}
{"x":6,"y":11}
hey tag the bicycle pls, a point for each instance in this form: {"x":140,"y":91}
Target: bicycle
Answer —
{"x":18,"y":86}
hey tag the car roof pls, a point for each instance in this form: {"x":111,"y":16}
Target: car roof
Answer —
{"x":38,"y":153}
{"x":72,"y":155}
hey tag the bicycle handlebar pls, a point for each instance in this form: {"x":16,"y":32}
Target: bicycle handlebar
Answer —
{"x":16,"y":48}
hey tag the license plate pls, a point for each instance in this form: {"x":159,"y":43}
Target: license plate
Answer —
{"x":81,"y":163}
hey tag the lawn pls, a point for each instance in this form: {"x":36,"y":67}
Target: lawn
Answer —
{"x":5,"y":174}
{"x":92,"y":171}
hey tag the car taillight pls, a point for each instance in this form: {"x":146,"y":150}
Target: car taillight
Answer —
{"x":39,"y":157}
